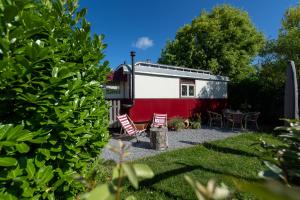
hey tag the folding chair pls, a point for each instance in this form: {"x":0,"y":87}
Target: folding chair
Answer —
{"x":159,"y":120}
{"x":128,"y":127}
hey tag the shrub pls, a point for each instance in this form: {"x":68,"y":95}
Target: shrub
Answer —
{"x":195,"y":125}
{"x":286,"y":158}
{"x":176,"y":123}
{"x":50,"y":82}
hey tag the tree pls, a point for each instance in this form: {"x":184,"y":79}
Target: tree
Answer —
{"x":278,"y":52}
{"x":288,"y":43}
{"x":223,"y":41}
{"x":53,"y":115}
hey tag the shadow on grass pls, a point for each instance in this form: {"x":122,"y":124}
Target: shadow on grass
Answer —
{"x":228,"y":150}
{"x":188,"y":168}
{"x":189,"y":142}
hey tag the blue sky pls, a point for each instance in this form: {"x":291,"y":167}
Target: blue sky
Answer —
{"x":145,"y":25}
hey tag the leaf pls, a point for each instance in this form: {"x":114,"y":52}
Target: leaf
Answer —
{"x":44,"y":175}
{"x":105,"y":191}
{"x":10,"y":12}
{"x":129,"y":170}
{"x":27,"y":190}
{"x":131,"y":197}
{"x":14,"y":132}
{"x":25,"y":137}
{"x":7,"y":143}
{"x":143,"y":171}
{"x":55,"y":72}
{"x":12,"y":174}
{"x":30,"y":168}
{"x":273,"y":167}
{"x":8,"y":161}
{"x":29,"y":5}
{"x":81,"y":14}
{"x":22,"y":147}
{"x":1,"y":5}
{"x":270,"y":190}
{"x":45,"y":152}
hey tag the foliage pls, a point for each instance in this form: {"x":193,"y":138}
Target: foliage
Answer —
{"x":176,"y":123}
{"x":23,"y":173}
{"x":97,"y":172}
{"x":288,"y":43}
{"x":269,"y":190}
{"x":224,"y":41}
{"x":286,"y":158}
{"x":50,"y":82}
{"x":210,"y":192}
{"x":132,"y":172}
{"x":195,"y":121}
{"x":196,"y":125}
{"x":272,"y":65}
{"x":260,"y":95}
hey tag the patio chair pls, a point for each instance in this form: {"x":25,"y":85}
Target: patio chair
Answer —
{"x":252,"y":117}
{"x":213,"y":116}
{"x":236,"y":118}
{"x":159,"y":120}
{"x":226,"y":113}
{"x":128,"y":127}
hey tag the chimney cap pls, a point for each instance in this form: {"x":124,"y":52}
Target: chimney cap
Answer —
{"x":132,"y":53}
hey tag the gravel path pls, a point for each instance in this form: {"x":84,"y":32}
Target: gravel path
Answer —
{"x":182,"y":139}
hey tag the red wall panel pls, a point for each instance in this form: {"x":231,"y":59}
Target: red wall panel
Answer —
{"x":143,"y":109}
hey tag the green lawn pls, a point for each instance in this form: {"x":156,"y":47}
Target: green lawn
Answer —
{"x":224,"y":160}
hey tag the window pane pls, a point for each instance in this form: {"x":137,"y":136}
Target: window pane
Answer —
{"x":113,"y":88}
{"x":191,"y":90}
{"x":184,"y":90}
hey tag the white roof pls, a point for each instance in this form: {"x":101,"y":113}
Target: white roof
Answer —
{"x":174,"y":71}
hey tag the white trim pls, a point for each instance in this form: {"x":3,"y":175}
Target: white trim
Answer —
{"x":180,"y":76}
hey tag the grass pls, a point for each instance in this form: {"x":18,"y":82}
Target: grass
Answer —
{"x":224,"y":161}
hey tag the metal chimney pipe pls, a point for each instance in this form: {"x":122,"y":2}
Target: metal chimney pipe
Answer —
{"x":132,"y":54}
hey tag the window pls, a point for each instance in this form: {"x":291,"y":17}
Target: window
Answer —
{"x":113,"y":88}
{"x":187,"y":90}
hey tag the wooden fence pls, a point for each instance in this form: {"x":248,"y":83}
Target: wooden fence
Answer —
{"x":114,"y":111}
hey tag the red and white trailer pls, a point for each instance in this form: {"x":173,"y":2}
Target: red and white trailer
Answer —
{"x":159,"y":88}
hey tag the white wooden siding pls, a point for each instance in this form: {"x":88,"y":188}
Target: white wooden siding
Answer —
{"x":156,"y":87}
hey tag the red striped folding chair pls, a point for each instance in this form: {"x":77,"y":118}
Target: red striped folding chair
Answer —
{"x":159,"y":120}
{"x":128,"y":127}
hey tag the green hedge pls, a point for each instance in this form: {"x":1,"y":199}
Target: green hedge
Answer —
{"x":50,"y":91}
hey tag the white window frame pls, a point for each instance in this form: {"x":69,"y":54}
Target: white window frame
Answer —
{"x":188,"y":89}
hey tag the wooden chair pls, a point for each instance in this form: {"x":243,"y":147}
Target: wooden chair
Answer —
{"x":128,"y":127}
{"x":226,"y":113}
{"x":236,"y":118}
{"x":213,"y":116}
{"x":252,"y":117}
{"x":159,"y":120}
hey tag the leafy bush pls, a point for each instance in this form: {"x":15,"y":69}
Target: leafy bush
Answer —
{"x":195,"y":125}
{"x":286,"y":158}
{"x":176,"y":123}
{"x":50,"y":82}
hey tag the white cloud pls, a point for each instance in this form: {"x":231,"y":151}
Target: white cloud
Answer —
{"x":143,"y":43}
